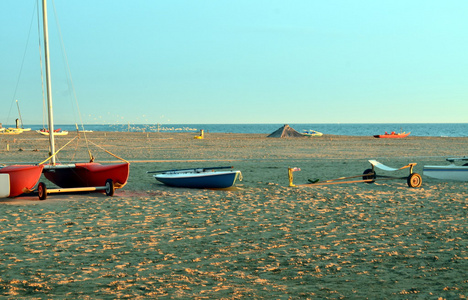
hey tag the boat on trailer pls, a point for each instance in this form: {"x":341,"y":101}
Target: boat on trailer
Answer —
{"x":200,"y":178}
{"x":87,"y":174}
{"x":414,"y":180}
{"x":18,"y":179}
{"x":449,"y":172}
{"x":75,"y":177}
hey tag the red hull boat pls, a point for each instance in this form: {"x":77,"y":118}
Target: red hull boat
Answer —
{"x":23,"y":178}
{"x":87,"y":174}
{"x":75,"y":177}
{"x":392,"y":135}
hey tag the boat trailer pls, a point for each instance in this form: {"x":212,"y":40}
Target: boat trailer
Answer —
{"x":413,"y":180}
{"x":43,"y":191}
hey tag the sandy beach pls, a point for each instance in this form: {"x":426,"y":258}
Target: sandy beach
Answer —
{"x":261,"y":239}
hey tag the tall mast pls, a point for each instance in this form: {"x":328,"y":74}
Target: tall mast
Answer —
{"x":48,"y":82}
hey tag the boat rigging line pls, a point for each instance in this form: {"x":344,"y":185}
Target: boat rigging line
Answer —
{"x":71,"y":87}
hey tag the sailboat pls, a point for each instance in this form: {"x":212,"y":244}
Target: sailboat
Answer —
{"x":11,"y":131}
{"x":17,"y":129}
{"x":14,"y":130}
{"x":76,"y":176}
{"x":20,"y":120}
{"x":45,"y":131}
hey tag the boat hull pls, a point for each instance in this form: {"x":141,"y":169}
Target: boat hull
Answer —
{"x":202,"y":180}
{"x":11,"y":131}
{"x":23,"y":178}
{"x":392,"y":136}
{"x":450,"y":172}
{"x":311,"y":133}
{"x":87,"y":174}
{"x":55,"y":132}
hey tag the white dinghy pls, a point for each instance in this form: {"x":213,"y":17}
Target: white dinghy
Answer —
{"x":449,"y":172}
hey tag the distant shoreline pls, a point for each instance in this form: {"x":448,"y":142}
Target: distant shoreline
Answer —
{"x":416,"y":129}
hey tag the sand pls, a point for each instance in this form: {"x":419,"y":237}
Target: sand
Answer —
{"x":258,"y":240}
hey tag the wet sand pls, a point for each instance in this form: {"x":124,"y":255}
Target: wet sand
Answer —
{"x":259,"y":239}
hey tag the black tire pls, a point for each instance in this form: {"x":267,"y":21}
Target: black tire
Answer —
{"x":369,"y":178}
{"x":42,"y":191}
{"x":414,"y":180}
{"x":110,"y":189}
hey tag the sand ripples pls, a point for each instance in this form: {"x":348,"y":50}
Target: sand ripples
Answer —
{"x":257,"y":242}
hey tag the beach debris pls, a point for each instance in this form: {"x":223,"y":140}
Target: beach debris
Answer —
{"x":290,"y":175}
{"x":201,"y":136}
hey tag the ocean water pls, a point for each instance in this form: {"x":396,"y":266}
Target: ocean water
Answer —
{"x":427,"y":129}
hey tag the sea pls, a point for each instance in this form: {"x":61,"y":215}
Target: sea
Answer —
{"x":416,"y":129}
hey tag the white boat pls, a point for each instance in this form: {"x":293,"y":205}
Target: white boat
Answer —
{"x":449,"y":172}
{"x":200,"y":178}
{"x":311,"y":132}
{"x":82,"y":130}
{"x":44,"y":131}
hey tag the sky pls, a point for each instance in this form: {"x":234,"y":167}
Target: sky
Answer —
{"x":245,"y":61}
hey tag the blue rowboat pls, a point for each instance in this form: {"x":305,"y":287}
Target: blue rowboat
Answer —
{"x":202,"y":178}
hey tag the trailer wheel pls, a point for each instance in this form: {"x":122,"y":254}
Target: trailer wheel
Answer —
{"x":369,"y":178}
{"x":42,"y":191}
{"x":414,"y":180}
{"x":110,"y":189}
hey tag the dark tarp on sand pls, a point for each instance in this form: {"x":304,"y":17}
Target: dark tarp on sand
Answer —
{"x":285,"y":131}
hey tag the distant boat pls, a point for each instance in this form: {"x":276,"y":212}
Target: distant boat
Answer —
{"x":11,"y":130}
{"x":18,"y":179}
{"x":200,"y":178}
{"x":17,"y":129}
{"x":20,"y":120}
{"x":449,"y":172}
{"x":83,"y":130}
{"x":59,"y":131}
{"x":393,"y":135}
{"x":311,"y":132}
{"x":23,"y":129}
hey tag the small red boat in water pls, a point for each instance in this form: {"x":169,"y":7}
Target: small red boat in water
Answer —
{"x":393,"y":135}
{"x":22,"y":178}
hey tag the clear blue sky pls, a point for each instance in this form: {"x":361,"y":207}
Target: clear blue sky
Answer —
{"x":224,"y":61}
